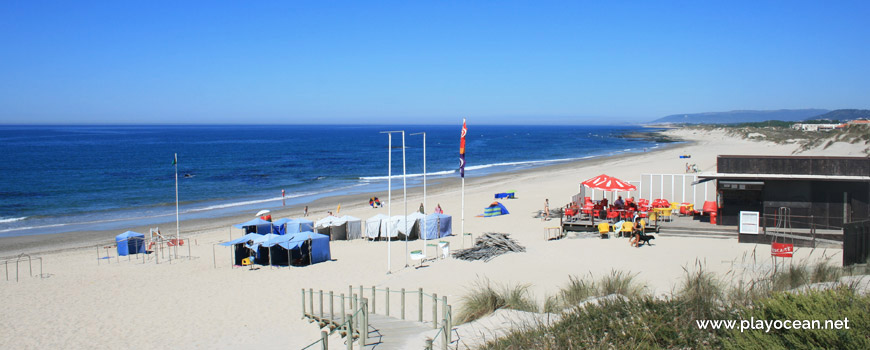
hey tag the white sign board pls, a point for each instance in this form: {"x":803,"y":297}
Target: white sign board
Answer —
{"x":749,"y":222}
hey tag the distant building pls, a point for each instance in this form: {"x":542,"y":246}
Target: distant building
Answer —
{"x":823,"y":192}
{"x":816,"y":127}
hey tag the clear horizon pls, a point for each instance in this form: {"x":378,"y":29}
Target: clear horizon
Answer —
{"x":424,"y":63}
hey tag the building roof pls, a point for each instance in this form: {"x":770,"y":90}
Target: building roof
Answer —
{"x":729,"y":176}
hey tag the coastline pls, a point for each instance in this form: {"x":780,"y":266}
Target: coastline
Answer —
{"x":204,"y":288}
{"x":192,"y":228}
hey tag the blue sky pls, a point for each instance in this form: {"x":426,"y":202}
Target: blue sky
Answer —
{"x":425,"y":62}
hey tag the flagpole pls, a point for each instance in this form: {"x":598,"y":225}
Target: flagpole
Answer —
{"x":425,"y":232}
{"x":389,"y":194}
{"x":177,"y":224}
{"x":405,"y":195}
{"x":462,"y":174}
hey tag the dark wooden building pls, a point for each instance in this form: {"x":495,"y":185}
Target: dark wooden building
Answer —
{"x":824,"y":192}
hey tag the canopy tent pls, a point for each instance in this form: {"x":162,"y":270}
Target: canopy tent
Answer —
{"x":376,"y":226}
{"x":414,"y":226}
{"x":344,"y":228}
{"x":438,"y":225}
{"x":495,"y":209}
{"x":295,"y":225}
{"x":130,"y":243}
{"x":297,"y":250}
{"x":256,"y":226}
{"x":508,"y":194}
{"x":607,"y":183}
{"x":241,"y":248}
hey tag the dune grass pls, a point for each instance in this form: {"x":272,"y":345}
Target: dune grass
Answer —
{"x":640,"y":321}
{"x":484,"y":299}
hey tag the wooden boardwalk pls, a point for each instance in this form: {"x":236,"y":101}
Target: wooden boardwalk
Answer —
{"x":387,"y":333}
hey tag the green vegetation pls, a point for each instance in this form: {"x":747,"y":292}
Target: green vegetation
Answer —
{"x":641,"y":321}
{"x":484,"y":299}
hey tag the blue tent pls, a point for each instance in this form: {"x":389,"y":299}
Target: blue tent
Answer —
{"x":256,"y":226}
{"x":438,"y":225}
{"x":130,"y":243}
{"x":295,"y":225}
{"x":495,"y":209}
{"x":319,"y":245}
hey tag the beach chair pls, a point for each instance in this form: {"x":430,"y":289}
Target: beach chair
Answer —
{"x":445,"y":249}
{"x":418,"y":255}
{"x":628,"y":227}
{"x":666,"y":214}
{"x":604,"y":230}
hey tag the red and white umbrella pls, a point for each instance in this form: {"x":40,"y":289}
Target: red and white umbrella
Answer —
{"x":608,"y":183}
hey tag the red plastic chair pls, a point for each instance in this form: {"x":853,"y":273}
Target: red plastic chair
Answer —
{"x":612,"y":214}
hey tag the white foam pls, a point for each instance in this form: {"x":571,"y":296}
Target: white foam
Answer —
{"x":8,"y":220}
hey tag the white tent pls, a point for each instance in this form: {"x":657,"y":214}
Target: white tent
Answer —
{"x":415,"y":222}
{"x":376,"y":226}
{"x":344,"y":228}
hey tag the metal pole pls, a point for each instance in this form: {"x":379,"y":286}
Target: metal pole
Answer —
{"x":177,"y":222}
{"x":321,"y":304}
{"x":303,"y":302}
{"x":403,"y":304}
{"x":420,"y":305}
{"x":389,"y":193}
{"x":405,"y":196}
{"x":425,"y":248}
{"x":683,"y":190}
{"x":324,"y":340}
{"x":349,"y":337}
{"x":364,"y":330}
{"x":213,"y":258}
{"x":672,"y":188}
{"x":311,"y":301}
{"x":331,"y":308}
{"x":661,"y":185}
{"x":388,"y":301}
{"x":374,"y":299}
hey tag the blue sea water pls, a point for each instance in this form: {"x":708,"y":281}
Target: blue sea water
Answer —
{"x":69,"y":178}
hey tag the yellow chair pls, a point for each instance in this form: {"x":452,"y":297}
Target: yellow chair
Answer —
{"x":643,"y":225}
{"x":246,"y":261}
{"x":627,"y":227}
{"x":604,"y":229}
{"x":666,"y":214}
{"x":653,"y":214}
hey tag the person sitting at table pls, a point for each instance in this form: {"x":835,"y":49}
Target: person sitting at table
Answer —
{"x":631,"y":205}
{"x":619,"y":203}
{"x":603,"y":202}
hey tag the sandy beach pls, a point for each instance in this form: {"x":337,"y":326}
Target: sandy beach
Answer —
{"x":191,"y":304}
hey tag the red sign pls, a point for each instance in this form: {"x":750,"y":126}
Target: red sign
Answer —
{"x":781,"y":249}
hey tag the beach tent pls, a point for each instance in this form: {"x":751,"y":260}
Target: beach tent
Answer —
{"x":130,"y":243}
{"x":397,"y":226}
{"x":256,"y":226}
{"x":376,"y":226}
{"x":495,"y":209}
{"x":344,"y":228}
{"x":415,"y":224}
{"x":240,"y":247}
{"x":297,"y":248}
{"x":438,"y":225}
{"x":294,"y":225}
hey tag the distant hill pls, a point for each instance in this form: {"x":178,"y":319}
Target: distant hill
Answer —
{"x":746,"y":116}
{"x":845,"y":114}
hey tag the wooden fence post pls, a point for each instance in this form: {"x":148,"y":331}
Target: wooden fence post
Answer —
{"x":434,"y":310}
{"x":324,"y":340}
{"x":420,"y":305}
{"x":303,"y":302}
{"x":331,"y":310}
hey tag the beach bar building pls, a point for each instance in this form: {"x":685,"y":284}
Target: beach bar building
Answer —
{"x":815,"y":192}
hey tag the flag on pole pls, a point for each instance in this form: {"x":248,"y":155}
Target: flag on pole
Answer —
{"x":462,"y":150}
{"x":175,"y":160}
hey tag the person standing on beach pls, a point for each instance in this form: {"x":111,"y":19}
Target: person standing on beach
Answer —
{"x":546,"y":215}
{"x":421,"y":209}
{"x":304,"y":214}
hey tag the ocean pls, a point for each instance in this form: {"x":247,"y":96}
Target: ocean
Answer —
{"x":56,"y":179}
